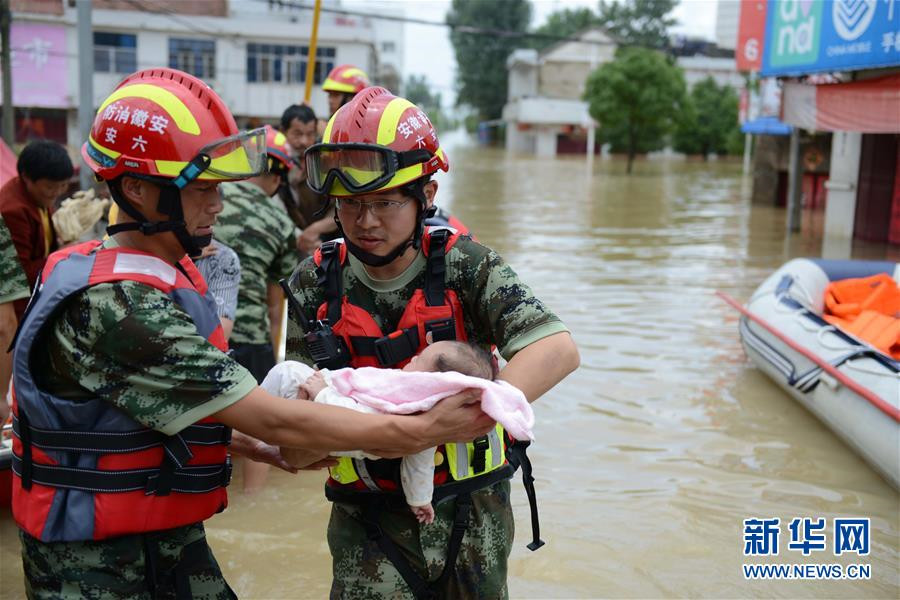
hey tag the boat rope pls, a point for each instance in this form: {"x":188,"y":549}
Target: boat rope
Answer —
{"x":873,"y":399}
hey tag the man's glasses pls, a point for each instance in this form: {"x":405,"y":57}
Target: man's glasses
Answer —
{"x":378,"y":208}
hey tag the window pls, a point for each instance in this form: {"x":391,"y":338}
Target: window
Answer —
{"x":197,"y":57}
{"x":388,"y":47}
{"x":274,"y":63}
{"x":115,"y":52}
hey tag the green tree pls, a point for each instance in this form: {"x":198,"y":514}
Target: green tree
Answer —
{"x":417,"y":90}
{"x":480,"y":57}
{"x":638,"y":22}
{"x":636,"y":99}
{"x":709,"y":121}
{"x":563,"y":24}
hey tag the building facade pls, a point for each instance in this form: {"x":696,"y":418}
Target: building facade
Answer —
{"x":254,"y":54}
{"x":544,"y":113}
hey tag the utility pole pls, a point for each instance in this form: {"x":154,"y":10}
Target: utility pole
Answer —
{"x":9,"y":119}
{"x":85,"y":82}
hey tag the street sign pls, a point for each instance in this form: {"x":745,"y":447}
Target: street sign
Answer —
{"x":811,"y":36}
{"x":751,"y":32}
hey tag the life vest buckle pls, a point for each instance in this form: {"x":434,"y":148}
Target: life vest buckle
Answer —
{"x":396,"y":347}
{"x":479,"y":456}
{"x":441,"y":329}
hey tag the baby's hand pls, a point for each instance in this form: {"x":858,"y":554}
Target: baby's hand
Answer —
{"x":424,"y":514}
{"x":314,"y":384}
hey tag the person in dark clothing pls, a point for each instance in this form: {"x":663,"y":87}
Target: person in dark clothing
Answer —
{"x":26,"y":203}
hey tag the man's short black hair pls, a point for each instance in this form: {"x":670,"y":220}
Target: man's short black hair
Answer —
{"x":296,"y":111}
{"x":43,"y":159}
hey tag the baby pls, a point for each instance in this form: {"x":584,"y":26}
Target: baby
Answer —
{"x":373,"y":390}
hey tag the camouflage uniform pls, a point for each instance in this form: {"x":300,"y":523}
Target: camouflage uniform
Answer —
{"x":499,"y":309}
{"x":13,"y":285}
{"x":130,"y":344}
{"x":265,"y":240}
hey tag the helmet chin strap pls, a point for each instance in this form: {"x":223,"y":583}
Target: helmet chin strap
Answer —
{"x":416,"y":188}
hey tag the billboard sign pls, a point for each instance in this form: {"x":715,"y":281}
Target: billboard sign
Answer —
{"x":40,"y":74}
{"x":811,"y":36}
{"x":751,"y":32}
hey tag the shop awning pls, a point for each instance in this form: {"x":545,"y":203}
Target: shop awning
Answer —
{"x":869,"y":106}
{"x":766,"y":126}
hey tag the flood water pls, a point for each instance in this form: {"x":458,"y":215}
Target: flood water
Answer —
{"x":652,"y":454}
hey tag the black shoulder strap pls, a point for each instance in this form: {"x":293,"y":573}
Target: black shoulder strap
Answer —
{"x":435,"y":269}
{"x":329,"y":279}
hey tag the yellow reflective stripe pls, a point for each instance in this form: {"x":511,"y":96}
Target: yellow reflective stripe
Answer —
{"x":326,"y":135}
{"x":459,"y":456}
{"x":168,"y":101}
{"x":280,"y":140}
{"x":390,"y":119}
{"x":344,"y":471}
{"x":331,"y":85}
{"x":110,"y":153}
{"x":354,"y":71}
{"x":404,"y":175}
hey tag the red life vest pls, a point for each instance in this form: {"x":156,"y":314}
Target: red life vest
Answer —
{"x":433,"y":309}
{"x":83,"y":469}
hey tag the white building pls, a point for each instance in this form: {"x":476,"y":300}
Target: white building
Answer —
{"x":254,"y":54}
{"x":545,"y":90}
{"x":728,"y":13}
{"x":722,"y":70}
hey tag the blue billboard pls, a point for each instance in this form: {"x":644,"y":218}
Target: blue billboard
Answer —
{"x":811,"y":36}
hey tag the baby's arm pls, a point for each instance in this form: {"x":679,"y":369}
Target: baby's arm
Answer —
{"x":329,"y":396}
{"x":417,"y":477}
{"x":285,"y":379}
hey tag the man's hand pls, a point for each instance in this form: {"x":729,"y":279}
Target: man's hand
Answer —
{"x":456,"y":418}
{"x":309,"y":240}
{"x":271,"y":455}
{"x":301,"y":458}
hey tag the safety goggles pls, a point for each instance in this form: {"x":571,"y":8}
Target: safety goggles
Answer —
{"x":359,"y":167}
{"x":238,"y":156}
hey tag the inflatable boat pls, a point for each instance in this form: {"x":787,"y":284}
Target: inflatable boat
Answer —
{"x":846,"y":382}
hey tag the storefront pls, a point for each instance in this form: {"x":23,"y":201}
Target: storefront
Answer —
{"x":840,"y":67}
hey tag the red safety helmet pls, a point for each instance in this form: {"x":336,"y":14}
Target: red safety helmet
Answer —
{"x":346,"y":79}
{"x":375,"y":142}
{"x":169,"y":127}
{"x":278,"y":150}
{"x":157,"y":122}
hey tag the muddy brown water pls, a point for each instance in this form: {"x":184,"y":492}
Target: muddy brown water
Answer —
{"x":652,"y":454}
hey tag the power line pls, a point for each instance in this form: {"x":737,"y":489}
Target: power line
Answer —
{"x":455,"y":27}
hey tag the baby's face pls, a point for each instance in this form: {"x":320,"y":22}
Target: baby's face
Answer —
{"x":425,"y":361}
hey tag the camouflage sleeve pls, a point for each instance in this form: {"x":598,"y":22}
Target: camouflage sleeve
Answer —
{"x":288,"y":256}
{"x":13,"y":284}
{"x":309,"y":296}
{"x":132,"y":346}
{"x":503,"y":308}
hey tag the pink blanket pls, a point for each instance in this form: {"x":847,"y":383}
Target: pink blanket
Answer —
{"x":407,"y":392}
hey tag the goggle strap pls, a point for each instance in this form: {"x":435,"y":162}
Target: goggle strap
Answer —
{"x":412,"y":157}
